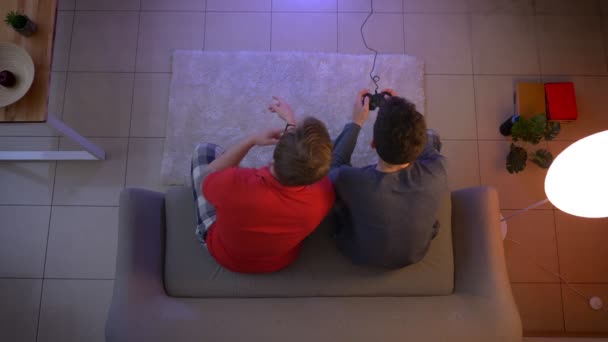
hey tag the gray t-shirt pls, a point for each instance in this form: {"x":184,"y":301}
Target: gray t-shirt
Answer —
{"x":386,"y":219}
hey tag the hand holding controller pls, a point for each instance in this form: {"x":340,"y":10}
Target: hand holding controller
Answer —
{"x":377,"y":99}
{"x":361,"y":108}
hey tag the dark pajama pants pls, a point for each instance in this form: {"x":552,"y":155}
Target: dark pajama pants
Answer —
{"x":203,"y":155}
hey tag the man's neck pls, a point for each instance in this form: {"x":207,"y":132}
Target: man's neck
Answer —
{"x":389,"y":168}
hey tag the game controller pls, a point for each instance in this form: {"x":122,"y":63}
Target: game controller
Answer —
{"x":376,"y":99}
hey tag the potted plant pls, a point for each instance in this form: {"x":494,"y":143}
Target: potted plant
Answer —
{"x":528,"y":132}
{"x":21,"y":23}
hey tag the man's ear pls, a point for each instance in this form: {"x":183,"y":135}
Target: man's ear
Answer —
{"x":373,"y":144}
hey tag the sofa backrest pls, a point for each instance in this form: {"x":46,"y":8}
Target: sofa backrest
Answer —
{"x":319,"y":271}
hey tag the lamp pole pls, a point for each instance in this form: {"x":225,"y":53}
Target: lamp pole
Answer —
{"x":537,"y":204}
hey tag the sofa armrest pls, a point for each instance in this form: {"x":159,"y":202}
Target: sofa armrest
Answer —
{"x":140,"y":258}
{"x":480,"y":271}
{"x":479,"y":263}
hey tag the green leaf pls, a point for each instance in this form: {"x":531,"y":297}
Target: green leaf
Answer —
{"x":15,"y":19}
{"x":552,"y":130}
{"x":542,"y":158}
{"x":516,"y":159}
{"x":529,"y":130}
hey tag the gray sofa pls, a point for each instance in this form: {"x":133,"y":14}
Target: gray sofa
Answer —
{"x":168,"y":288}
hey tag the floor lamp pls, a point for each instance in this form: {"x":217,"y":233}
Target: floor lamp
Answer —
{"x":577,"y":183}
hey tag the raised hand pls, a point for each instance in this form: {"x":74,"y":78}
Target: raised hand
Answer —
{"x":269,"y":137}
{"x":361,"y":108}
{"x":283,"y":110}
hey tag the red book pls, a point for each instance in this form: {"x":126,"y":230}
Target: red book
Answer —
{"x":561,"y":101}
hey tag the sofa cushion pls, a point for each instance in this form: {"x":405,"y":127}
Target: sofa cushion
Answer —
{"x":319,"y":271}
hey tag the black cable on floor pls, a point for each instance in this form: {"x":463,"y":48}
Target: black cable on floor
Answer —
{"x":374,"y":78}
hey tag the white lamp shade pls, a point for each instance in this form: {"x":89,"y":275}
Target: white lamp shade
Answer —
{"x":577,"y":181}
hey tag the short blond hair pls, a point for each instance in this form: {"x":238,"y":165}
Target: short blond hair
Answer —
{"x":303,"y":155}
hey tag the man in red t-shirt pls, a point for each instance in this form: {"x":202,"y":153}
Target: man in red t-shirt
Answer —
{"x":254,"y":220}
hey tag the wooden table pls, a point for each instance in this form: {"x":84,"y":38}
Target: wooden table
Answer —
{"x":32,"y":108}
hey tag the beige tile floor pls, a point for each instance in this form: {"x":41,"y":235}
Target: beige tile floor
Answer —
{"x":111,"y":78}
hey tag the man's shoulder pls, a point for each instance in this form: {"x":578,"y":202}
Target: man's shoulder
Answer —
{"x":346,"y":173}
{"x":233,"y":171}
{"x":435,"y":165}
{"x":425,"y":178}
{"x":324,"y":184}
{"x":230,"y":176}
{"x":432,"y":158}
{"x":324,"y":194}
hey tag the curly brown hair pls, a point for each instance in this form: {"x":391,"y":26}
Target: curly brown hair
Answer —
{"x":303,"y":154}
{"x":399,"y":131}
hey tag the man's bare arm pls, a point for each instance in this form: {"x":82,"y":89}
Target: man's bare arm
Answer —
{"x":235,"y":154}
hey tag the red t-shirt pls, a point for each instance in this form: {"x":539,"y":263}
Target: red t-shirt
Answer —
{"x":260,"y":223}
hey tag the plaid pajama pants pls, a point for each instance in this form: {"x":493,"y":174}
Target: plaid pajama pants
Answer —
{"x":203,"y":155}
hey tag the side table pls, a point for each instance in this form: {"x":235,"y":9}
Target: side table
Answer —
{"x":32,"y":108}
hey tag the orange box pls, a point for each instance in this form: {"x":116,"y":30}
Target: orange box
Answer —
{"x":530,"y":99}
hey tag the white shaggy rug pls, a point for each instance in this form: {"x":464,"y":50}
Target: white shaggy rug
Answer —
{"x":221,"y":97}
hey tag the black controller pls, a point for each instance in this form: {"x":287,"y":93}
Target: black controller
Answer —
{"x":376,"y":99}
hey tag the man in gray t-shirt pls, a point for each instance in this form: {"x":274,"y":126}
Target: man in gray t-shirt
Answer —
{"x":386,"y":214}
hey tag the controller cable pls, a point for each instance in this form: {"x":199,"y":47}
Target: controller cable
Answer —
{"x":374,"y":78}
